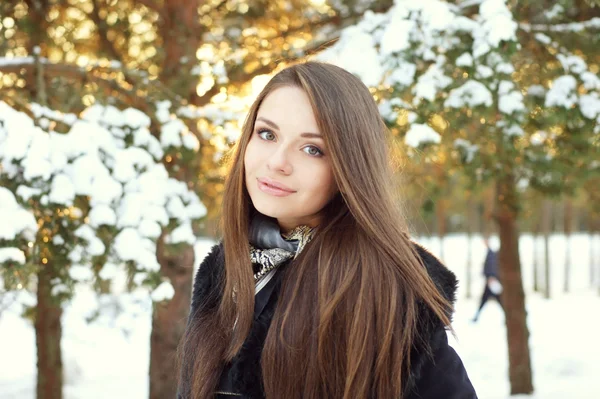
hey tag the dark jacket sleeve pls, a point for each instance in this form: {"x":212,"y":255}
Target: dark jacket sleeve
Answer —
{"x":436,"y":369}
{"x":442,"y":374}
{"x":203,"y":296}
{"x":204,"y":293}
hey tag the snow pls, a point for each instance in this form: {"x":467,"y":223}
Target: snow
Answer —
{"x":465,"y":59}
{"x":590,"y":80}
{"x":410,"y":45}
{"x":590,"y":105}
{"x":15,"y":219}
{"x":95,"y":245}
{"x":355,"y":51}
{"x":430,"y":83}
{"x":543,"y":38}
{"x":387,"y":108}
{"x":511,"y":102}
{"x":397,"y":35}
{"x":562,"y":93}
{"x":26,"y":192}
{"x":470,"y":149}
{"x":171,"y":133}
{"x":109,"y":159}
{"x":143,"y":138}
{"x":484,"y":71}
{"x":80,"y":273}
{"x":109,"y":271}
{"x":44,"y":112}
{"x":12,"y":255}
{"x":505,"y":67}
{"x":420,"y":134}
{"x":499,"y":24}
{"x":572,"y":63}
{"x":470,"y":94}
{"x":513,"y":130}
{"x":510,"y":99}
{"x":403,"y":75}
{"x":130,"y":245}
{"x":130,"y":190}
{"x":536,"y":91}
{"x":102,"y":215}
{"x":62,"y":190}
{"x":163,"y":292}
{"x":554,"y":12}
{"x":190,"y":142}
{"x":182,"y":234}
{"x":560,"y":370}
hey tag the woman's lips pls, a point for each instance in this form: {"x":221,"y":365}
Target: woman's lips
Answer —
{"x":273,"y":187}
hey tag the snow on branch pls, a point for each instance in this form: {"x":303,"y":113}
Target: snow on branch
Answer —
{"x":593,"y":23}
{"x":109,"y":160}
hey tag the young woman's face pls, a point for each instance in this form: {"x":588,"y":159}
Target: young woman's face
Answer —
{"x":288,"y":172}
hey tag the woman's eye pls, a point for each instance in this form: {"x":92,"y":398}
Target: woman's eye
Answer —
{"x":266,"y":135}
{"x":313,"y":151}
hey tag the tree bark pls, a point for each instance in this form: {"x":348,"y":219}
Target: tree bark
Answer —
{"x":595,"y":227}
{"x":440,"y":216}
{"x":535,"y":262}
{"x":592,"y":264}
{"x":568,"y":227}
{"x":469,"y":268}
{"x":48,"y":334}
{"x":488,"y":210}
{"x":513,"y":295}
{"x":546,"y":219}
{"x":169,"y":319}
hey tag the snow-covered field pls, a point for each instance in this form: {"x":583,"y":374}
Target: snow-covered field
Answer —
{"x":102,"y":362}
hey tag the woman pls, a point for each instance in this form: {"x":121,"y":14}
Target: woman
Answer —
{"x":316,"y":290}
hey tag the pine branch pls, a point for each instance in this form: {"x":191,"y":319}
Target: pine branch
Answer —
{"x":152,"y":5}
{"x":106,"y":44}
{"x":42,"y":98}
{"x":93,"y":73}
{"x":239,"y":76}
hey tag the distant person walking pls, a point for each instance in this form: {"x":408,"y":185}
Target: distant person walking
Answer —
{"x":493,"y":288}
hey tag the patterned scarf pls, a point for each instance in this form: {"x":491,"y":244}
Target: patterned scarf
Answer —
{"x":269,"y":248}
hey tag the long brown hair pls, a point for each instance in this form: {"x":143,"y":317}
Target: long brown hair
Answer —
{"x":346,"y":317}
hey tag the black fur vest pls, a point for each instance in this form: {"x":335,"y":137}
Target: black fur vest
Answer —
{"x":436,"y":373}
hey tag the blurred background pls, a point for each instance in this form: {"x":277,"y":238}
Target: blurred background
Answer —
{"x":116,"y":116}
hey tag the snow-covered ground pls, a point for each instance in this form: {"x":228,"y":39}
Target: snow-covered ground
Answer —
{"x":102,"y":362}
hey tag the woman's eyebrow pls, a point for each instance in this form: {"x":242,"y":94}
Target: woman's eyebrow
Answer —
{"x":275,"y":126}
{"x":312,"y":135}
{"x":268,"y":122}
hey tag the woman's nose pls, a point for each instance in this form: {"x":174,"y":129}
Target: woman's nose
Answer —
{"x":279,"y":161}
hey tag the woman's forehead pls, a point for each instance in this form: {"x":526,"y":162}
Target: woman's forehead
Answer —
{"x":288,"y":108}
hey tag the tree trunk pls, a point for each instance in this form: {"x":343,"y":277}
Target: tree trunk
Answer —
{"x":546,"y":219}
{"x":469,"y":268}
{"x":594,"y":253}
{"x":598,"y":276}
{"x":592,"y":264}
{"x":513,"y":295}
{"x":181,"y":32}
{"x":488,"y":210}
{"x":568,"y":227}
{"x":48,"y":334}
{"x":535,"y":262}
{"x":169,"y":319}
{"x":440,"y":217}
